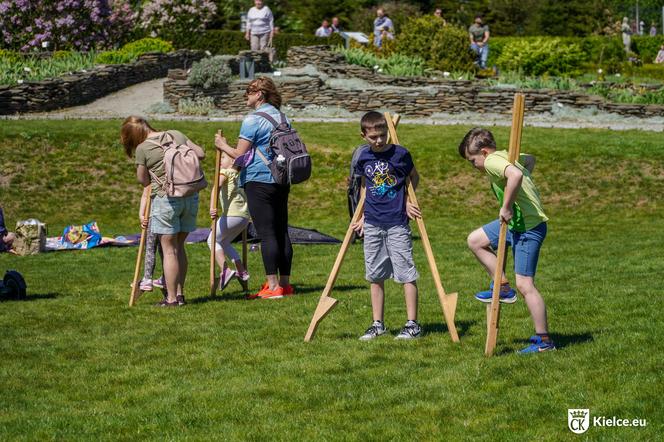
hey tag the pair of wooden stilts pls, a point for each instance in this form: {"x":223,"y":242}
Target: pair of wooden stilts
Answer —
{"x":135,"y":289}
{"x":448,"y":302}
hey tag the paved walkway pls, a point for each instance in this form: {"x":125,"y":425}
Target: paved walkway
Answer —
{"x":135,"y":100}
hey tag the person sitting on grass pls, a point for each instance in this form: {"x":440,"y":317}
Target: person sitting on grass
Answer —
{"x":6,"y":237}
{"x":388,"y":247}
{"x":521,"y":208}
{"x":660,"y":55}
{"x":234,"y":219}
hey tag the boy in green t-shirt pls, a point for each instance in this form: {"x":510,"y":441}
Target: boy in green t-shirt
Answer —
{"x":521,"y":208}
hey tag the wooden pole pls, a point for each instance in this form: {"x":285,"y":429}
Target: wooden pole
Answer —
{"x":326,"y":303}
{"x":493,"y":310}
{"x":135,"y":289}
{"x":213,"y":229}
{"x":448,"y":302}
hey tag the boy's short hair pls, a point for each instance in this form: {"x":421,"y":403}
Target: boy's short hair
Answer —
{"x":476,"y":139}
{"x":373,"y":120}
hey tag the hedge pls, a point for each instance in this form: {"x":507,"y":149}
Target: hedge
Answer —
{"x":220,"y":42}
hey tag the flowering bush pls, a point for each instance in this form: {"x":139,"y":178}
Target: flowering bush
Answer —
{"x":172,"y":18}
{"x":64,"y":24}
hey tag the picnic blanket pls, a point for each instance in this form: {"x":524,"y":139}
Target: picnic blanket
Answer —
{"x":298,"y":235}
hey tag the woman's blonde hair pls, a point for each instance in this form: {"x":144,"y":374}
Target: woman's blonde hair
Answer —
{"x":134,"y":131}
{"x":269,"y":90}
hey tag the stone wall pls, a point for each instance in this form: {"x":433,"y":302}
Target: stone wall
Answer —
{"x":318,"y":76}
{"x":84,"y":87}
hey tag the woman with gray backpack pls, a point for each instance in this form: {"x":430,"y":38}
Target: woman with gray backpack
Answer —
{"x":272,"y":157}
{"x":170,"y":163}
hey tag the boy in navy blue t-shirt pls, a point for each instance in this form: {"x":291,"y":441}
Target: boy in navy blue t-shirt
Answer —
{"x":388,"y":247}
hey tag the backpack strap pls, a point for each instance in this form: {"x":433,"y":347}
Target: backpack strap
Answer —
{"x":269,"y":118}
{"x":260,"y":154}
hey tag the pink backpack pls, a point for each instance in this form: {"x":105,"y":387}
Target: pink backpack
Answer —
{"x":184,"y":175}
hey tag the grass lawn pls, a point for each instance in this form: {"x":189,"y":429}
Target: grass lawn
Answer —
{"x":77,"y":363}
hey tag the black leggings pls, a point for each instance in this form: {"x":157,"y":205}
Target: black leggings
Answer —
{"x":268,"y":205}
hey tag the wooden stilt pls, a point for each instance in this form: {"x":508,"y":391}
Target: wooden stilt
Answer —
{"x":135,"y":289}
{"x":493,"y":313}
{"x":213,"y":229}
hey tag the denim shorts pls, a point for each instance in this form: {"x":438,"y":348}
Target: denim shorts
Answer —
{"x":388,"y":253}
{"x":171,"y":215}
{"x":525,"y":245}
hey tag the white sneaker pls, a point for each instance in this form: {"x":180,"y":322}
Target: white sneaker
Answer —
{"x":376,"y":329}
{"x":225,"y":278}
{"x":411,"y":330}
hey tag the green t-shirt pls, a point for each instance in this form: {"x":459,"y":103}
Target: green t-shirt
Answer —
{"x":478,"y":31}
{"x":528,"y":210}
{"x":232,"y":197}
{"x":151,"y":155}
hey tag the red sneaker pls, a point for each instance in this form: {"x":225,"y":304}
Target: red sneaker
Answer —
{"x":289,"y":290}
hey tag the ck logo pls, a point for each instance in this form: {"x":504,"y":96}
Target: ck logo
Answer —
{"x":578,"y":420}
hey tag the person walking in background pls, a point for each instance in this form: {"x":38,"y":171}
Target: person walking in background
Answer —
{"x":383,"y":27}
{"x":260,"y":26}
{"x":336,"y":26}
{"x":172,"y":217}
{"x":653,"y":29}
{"x":268,"y":201}
{"x":626,"y":34}
{"x":439,"y":13}
{"x":325,"y":30}
{"x":479,"y":41}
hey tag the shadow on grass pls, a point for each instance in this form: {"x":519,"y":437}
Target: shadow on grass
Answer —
{"x":561,"y":342}
{"x":30,"y":297}
{"x":240,"y":296}
{"x":441,"y":328}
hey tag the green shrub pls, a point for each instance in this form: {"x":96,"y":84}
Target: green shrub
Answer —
{"x":647,"y":47}
{"x":210,"y":72}
{"x":220,"y":42}
{"x":442,"y":47}
{"x":16,"y":68}
{"x":197,"y":106}
{"x":542,"y":56}
{"x":131,"y":51}
{"x":398,"y":65}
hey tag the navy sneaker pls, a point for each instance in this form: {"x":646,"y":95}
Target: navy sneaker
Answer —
{"x":537,"y":346}
{"x":507,"y":294}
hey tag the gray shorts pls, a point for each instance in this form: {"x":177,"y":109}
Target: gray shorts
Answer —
{"x":171,"y":215}
{"x":388,"y":253}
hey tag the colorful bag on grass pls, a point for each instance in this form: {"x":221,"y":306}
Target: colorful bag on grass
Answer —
{"x":86,"y":236}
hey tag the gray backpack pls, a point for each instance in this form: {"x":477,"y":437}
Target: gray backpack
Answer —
{"x":291,"y":163}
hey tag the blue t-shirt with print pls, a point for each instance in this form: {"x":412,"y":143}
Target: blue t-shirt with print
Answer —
{"x":257,"y":131}
{"x":385,"y":177}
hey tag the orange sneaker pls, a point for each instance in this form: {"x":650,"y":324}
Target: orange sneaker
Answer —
{"x":289,"y":290}
{"x":266,"y":293}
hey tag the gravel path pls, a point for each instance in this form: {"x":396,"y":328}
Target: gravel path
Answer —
{"x":138,"y":98}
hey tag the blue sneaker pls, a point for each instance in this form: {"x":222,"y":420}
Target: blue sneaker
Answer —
{"x":507,"y":294}
{"x":537,"y":346}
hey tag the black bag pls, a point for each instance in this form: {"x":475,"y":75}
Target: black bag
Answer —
{"x":291,"y":163}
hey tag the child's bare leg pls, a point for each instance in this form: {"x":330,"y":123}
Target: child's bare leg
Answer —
{"x":410,"y":293}
{"x":169,"y":244}
{"x":534,"y":301}
{"x":479,"y":244}
{"x":378,"y":300}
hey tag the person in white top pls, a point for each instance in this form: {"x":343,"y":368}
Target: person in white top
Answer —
{"x":325,"y":30}
{"x":260,"y":26}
